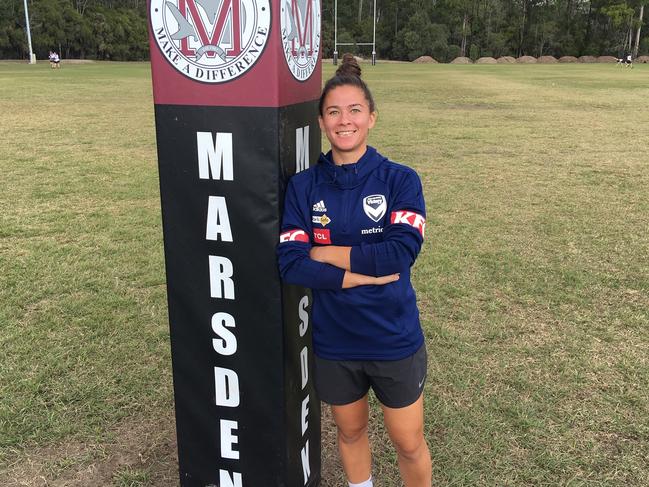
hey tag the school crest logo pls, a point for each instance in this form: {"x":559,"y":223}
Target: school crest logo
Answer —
{"x":375,"y":206}
{"x":301,"y":36}
{"x":213,"y":41}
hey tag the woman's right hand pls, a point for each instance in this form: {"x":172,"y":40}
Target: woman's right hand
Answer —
{"x":351,"y":279}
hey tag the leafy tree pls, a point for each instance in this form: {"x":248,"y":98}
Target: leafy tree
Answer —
{"x":474,"y":52}
{"x":453,"y":51}
{"x":439,"y":45}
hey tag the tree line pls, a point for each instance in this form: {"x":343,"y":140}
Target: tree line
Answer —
{"x":84,"y":29}
{"x":405,"y":29}
{"x":446,"y":29}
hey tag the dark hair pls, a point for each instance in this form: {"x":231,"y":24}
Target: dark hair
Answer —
{"x":348,"y":74}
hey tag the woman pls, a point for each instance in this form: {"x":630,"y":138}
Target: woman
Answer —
{"x":352,"y":228}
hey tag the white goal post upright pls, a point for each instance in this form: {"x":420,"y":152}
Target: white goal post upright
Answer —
{"x":374,"y":38}
{"x":335,"y":32}
{"x":32,"y":56}
{"x":336,"y":43}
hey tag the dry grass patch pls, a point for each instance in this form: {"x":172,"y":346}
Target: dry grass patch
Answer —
{"x":139,"y":451}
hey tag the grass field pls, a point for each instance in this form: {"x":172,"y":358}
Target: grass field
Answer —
{"x":533,"y":283}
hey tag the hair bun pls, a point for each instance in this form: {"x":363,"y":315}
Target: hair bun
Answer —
{"x":349,"y":67}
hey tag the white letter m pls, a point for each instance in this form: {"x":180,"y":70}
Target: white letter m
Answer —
{"x":301,"y":148}
{"x":214,"y":157}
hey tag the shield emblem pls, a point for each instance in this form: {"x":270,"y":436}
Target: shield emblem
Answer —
{"x":375,"y":206}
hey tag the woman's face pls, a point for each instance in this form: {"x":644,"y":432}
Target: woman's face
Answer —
{"x":346,"y":120}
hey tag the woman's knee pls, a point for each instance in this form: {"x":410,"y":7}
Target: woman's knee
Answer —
{"x":410,"y":447}
{"x":351,"y":434}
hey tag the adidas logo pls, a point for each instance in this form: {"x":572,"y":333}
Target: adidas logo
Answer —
{"x":319,"y":206}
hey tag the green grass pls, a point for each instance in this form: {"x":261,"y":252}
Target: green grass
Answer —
{"x":130,"y":477}
{"x":533,"y":283}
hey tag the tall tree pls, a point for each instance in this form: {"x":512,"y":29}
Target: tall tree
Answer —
{"x":637,"y":35}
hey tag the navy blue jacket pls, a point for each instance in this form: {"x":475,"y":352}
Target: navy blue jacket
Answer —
{"x":377,"y":207}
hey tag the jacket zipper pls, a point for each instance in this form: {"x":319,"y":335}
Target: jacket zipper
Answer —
{"x":345,"y":210}
{"x":348,"y":177}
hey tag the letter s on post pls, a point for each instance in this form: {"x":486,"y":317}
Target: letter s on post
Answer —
{"x":304,"y":315}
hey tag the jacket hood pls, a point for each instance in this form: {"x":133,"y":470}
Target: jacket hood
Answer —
{"x":348,"y":176}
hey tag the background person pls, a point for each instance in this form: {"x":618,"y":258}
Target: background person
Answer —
{"x":55,"y":60}
{"x":353,"y":226}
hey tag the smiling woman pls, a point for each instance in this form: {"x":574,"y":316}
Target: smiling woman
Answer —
{"x":360,"y":219}
{"x":347,"y":113}
{"x":346,"y":121}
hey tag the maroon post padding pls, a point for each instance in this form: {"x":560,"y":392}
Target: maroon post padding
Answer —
{"x":268,"y":83}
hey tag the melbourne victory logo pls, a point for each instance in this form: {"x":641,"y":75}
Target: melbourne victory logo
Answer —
{"x":375,"y":206}
{"x":301,"y":36}
{"x":213,"y":41}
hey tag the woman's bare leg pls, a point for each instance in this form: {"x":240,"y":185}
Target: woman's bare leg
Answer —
{"x":406,"y":429}
{"x":353,"y":444}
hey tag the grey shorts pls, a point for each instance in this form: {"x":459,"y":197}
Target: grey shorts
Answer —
{"x":396,"y":383}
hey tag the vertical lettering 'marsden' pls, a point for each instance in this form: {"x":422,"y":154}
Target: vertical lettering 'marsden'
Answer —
{"x":215,"y":161}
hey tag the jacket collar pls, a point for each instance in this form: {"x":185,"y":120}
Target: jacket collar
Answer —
{"x":348,"y":176}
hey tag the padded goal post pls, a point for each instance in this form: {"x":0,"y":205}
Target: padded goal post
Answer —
{"x":235,"y":88}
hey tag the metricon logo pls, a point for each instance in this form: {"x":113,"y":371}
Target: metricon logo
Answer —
{"x":301,"y":36}
{"x":213,"y":41}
